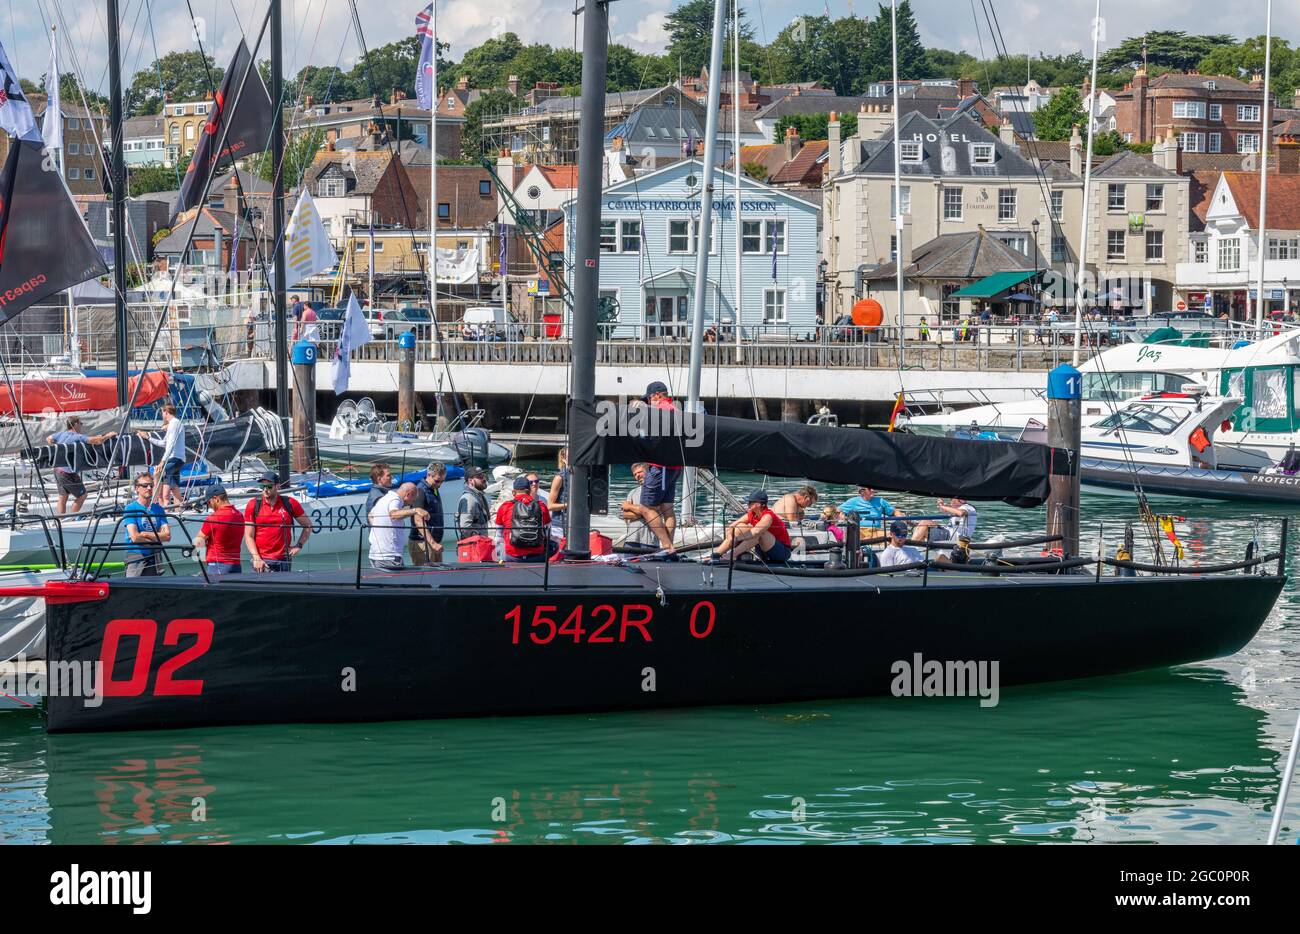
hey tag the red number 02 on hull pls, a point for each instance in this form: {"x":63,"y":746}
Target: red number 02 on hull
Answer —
{"x":145,"y":632}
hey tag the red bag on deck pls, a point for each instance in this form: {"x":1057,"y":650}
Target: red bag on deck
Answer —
{"x":476,"y":548}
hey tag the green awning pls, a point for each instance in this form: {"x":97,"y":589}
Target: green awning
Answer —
{"x":993,"y":285}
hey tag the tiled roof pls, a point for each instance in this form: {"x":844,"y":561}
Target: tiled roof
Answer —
{"x":770,"y":156}
{"x":802,"y":166}
{"x":367,"y":168}
{"x":1200,"y":193}
{"x":1283,"y":199}
{"x":560,"y":177}
{"x":1127,"y":164}
{"x":1007,"y":161}
{"x":142,"y":127}
{"x":970,"y":255}
{"x":812,"y":104}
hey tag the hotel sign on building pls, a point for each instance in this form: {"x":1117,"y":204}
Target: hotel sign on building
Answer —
{"x":648,"y":241}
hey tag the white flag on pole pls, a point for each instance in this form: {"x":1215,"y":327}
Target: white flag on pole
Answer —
{"x":52,"y":124}
{"x":355,"y":333}
{"x":307,"y":246}
{"x":16,"y":117}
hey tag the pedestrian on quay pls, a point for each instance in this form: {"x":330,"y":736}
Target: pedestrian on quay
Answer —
{"x":268,"y":527}
{"x":296,"y":312}
{"x":425,"y":543}
{"x":222,"y":535}
{"x":172,"y":459}
{"x":68,"y":480}
{"x":146,"y":531}
{"x":923,"y":330}
{"x":393,"y":513}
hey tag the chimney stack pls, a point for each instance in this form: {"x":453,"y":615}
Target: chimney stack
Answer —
{"x":1076,"y":151}
{"x":1144,"y":121}
{"x":1288,"y":157}
{"x":833,"y":144}
{"x":306,"y":102}
{"x":792,"y":143}
{"x":463,"y":83}
{"x":965,"y":87}
{"x":1257,"y":81}
{"x":513,"y":84}
{"x":1006,"y":133}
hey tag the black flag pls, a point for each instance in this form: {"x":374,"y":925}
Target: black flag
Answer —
{"x":248,"y":114}
{"x":44,"y":245}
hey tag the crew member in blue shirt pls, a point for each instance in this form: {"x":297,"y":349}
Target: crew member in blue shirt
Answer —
{"x":146,"y":531}
{"x":870,"y":510}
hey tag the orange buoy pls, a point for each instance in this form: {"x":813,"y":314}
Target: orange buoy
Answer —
{"x":867,"y":313}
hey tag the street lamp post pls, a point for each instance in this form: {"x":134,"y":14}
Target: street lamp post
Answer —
{"x":1038,"y":252}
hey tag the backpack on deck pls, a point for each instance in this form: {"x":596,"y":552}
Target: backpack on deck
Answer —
{"x":526,"y":524}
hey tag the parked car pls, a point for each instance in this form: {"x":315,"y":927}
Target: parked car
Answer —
{"x":490,"y":323}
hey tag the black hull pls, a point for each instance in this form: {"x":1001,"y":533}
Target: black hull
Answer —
{"x":451,"y":651}
{"x":1194,"y":483}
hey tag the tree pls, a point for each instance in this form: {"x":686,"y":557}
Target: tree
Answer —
{"x":815,"y":126}
{"x":185,"y":76}
{"x":1246,"y":59}
{"x":1108,"y":143}
{"x":755,"y":170}
{"x":324,"y":84}
{"x":487,"y":65}
{"x":913,"y":62}
{"x":1063,"y":112}
{"x":1170,"y":50}
{"x":817,"y":48}
{"x":147,"y":178}
{"x":690,"y":34}
{"x":299,"y":154}
{"x":471,"y":134}
{"x":388,"y":68}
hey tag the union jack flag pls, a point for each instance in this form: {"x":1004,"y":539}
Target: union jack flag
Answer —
{"x":424,"y":22}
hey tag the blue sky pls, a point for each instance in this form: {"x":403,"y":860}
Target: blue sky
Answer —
{"x":318,"y":31}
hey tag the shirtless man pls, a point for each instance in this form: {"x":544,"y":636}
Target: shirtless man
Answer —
{"x":791,"y":506}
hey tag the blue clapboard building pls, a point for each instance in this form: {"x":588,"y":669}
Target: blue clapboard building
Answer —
{"x":648,"y":237}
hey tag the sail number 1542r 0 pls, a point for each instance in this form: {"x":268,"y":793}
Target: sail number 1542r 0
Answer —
{"x":603,"y":623}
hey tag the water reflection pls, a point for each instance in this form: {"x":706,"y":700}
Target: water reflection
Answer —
{"x":1158,"y":756}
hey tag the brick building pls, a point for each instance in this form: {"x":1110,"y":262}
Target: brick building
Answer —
{"x":1207,"y":113}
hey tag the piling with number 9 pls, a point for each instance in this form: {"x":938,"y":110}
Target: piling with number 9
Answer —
{"x":303,"y":357}
{"x":1064,"y":428}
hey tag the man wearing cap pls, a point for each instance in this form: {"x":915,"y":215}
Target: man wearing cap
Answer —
{"x":472,"y":513}
{"x":268,"y":527}
{"x":524,"y":522}
{"x":659,"y":486}
{"x":425,"y":543}
{"x":898,"y":551}
{"x":759,"y":528}
{"x":222,"y":534}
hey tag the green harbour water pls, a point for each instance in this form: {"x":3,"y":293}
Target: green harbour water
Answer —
{"x":1188,"y":755}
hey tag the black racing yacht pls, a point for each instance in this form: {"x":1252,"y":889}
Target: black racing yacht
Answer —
{"x":585,"y":635}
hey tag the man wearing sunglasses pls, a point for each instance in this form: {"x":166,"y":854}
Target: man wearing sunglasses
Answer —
{"x":268,"y":527}
{"x":146,"y":531}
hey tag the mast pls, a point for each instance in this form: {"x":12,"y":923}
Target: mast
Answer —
{"x":898,"y":185}
{"x":1087,"y":190}
{"x":702,"y":240}
{"x":119,"y":193}
{"x":1265,"y":131}
{"x":277,"y":209}
{"x":736,"y":218}
{"x":433,"y":174}
{"x":586,"y":256}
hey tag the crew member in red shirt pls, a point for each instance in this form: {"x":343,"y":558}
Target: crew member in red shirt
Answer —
{"x":759,"y":528}
{"x":268,"y":527}
{"x":222,"y":534}
{"x":525,"y":524}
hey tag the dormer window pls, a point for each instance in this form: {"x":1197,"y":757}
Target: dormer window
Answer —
{"x":1211,"y":85}
{"x":981,"y":154}
{"x":910,"y":151}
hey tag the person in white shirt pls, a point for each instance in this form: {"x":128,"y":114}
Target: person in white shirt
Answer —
{"x":898,"y":551}
{"x":962,"y":523}
{"x":168,"y":493}
{"x":389,"y":526}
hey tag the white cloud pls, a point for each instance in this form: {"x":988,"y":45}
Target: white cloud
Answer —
{"x":651,"y":32}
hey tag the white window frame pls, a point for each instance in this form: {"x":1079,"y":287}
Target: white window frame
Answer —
{"x":1111,"y":240}
{"x":1003,"y":216}
{"x":1189,"y":110}
{"x":1159,"y":240}
{"x":1158,"y":199}
{"x":1283,"y":248}
{"x":624,"y":226}
{"x":679,"y":220}
{"x":1216,"y":112}
{"x":1214,"y":142}
{"x":1056,"y":204}
{"x":1063,"y":254}
{"x":74,"y":123}
{"x":1200,"y":251}
{"x":74,"y":173}
{"x":961,"y":209}
{"x":74,"y":149}
{"x":607,"y":241}
{"x":1248,"y":113}
{"x":905,"y":197}
{"x":1195,"y":139}
{"x":1228,"y":255}
{"x":1122,"y":206}
{"x":693,"y":234}
{"x":784,"y":308}
{"x":910,"y":151}
{"x":979,"y":150}
{"x":88,"y":174}
{"x":1247,"y":143}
